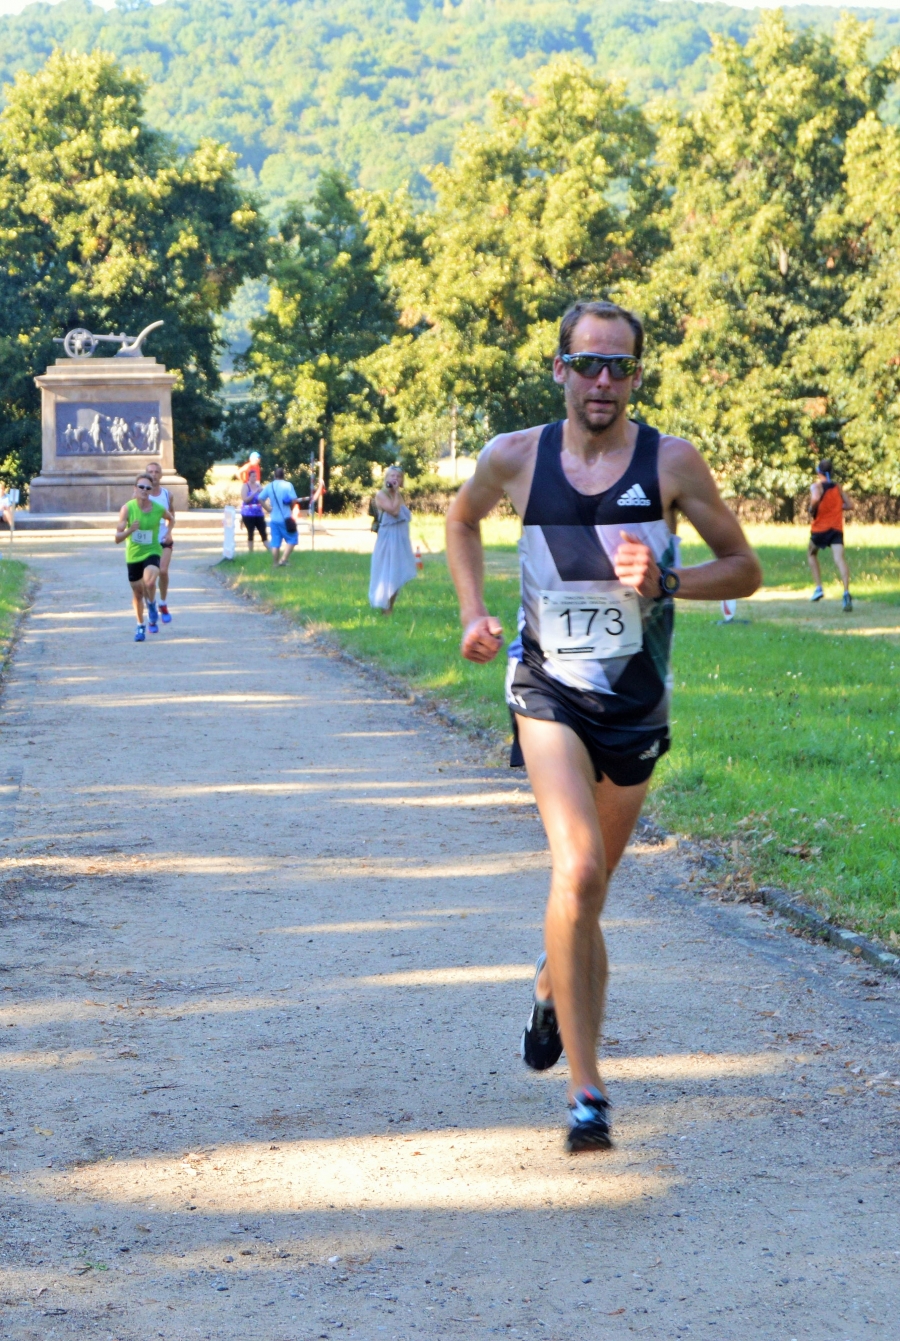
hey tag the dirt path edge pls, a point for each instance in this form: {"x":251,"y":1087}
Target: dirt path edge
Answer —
{"x":29,"y":596}
{"x":324,"y":641}
{"x":807,"y":919}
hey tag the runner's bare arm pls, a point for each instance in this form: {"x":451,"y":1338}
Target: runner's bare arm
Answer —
{"x":815,"y":498}
{"x":123,"y":530}
{"x":688,"y":487}
{"x":499,"y":466}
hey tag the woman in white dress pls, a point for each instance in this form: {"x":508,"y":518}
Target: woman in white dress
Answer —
{"x":393,"y":561}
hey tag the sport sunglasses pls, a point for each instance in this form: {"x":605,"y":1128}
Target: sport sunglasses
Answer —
{"x":589,"y":365}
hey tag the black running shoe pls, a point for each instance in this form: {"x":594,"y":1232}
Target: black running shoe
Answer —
{"x":589,"y":1119}
{"x":541,"y":1044}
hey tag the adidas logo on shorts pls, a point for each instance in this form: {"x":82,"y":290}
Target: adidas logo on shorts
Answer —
{"x":653,"y":751}
{"x":634,"y":498}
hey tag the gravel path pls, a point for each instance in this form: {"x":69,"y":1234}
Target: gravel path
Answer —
{"x":268,"y":941}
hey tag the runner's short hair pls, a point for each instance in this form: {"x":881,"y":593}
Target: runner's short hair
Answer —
{"x":825,"y":468}
{"x":143,"y":476}
{"x":606,"y":312}
{"x":278,"y":473}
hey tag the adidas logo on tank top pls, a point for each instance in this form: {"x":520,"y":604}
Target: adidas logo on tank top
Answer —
{"x":633,"y":498}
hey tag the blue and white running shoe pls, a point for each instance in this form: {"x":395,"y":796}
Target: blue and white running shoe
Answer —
{"x":589,"y":1122}
{"x":817,"y":594}
{"x":153,"y":616}
{"x":164,"y":611}
{"x":140,"y":634}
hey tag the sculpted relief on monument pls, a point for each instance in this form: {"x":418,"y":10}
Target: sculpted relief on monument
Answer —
{"x":117,"y":428}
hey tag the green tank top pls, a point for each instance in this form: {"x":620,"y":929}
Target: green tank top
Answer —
{"x":145,"y":541}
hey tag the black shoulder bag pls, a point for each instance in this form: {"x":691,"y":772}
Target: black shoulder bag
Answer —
{"x":288,"y":522}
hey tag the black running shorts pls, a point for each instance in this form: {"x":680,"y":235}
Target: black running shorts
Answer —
{"x":825,"y":539}
{"x":624,"y":756}
{"x":136,"y":570}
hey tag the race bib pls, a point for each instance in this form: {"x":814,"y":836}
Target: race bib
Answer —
{"x":142,"y":537}
{"x":591,"y":626}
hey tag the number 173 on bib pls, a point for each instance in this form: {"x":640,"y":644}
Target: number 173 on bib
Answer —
{"x":591,"y":626}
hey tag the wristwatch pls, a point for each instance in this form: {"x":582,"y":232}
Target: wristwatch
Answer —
{"x":669,"y":581}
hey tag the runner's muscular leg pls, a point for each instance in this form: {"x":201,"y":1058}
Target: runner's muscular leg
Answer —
{"x":587,"y":828}
{"x":618,"y":809}
{"x":150,"y":576}
{"x":165,"y":560}
{"x":840,"y":563}
{"x":812,"y":555}
{"x":137,"y":596}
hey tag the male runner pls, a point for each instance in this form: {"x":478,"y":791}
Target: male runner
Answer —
{"x":827,"y":505}
{"x":139,"y":522}
{"x":159,"y":494}
{"x":588,"y":679}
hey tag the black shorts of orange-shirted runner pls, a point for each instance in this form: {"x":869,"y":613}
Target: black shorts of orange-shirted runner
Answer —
{"x":825,"y":539}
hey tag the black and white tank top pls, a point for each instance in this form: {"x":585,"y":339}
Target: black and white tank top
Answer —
{"x":611,"y":644}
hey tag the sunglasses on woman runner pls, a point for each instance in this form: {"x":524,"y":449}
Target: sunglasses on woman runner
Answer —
{"x":589,"y":365}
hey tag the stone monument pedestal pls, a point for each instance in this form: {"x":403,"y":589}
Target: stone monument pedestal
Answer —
{"x":103,"y":422}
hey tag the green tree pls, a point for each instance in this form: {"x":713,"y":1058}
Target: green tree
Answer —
{"x":862,"y":355}
{"x":104,"y":224}
{"x":379,"y":87}
{"x":326,"y":313}
{"x":245,"y":430}
{"x":554,"y":201}
{"x":751,"y":307}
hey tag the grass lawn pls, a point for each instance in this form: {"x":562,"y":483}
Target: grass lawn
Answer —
{"x":13,"y":585}
{"x":419,"y":642}
{"x":783,"y":728}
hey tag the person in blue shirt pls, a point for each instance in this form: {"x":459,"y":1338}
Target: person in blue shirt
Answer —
{"x":279,"y":496}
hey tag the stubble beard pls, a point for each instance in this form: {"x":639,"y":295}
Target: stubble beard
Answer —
{"x":579,"y":413}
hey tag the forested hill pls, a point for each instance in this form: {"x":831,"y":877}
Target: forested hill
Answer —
{"x":380,"y":87}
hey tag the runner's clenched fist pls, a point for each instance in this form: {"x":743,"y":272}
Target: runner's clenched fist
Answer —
{"x":636,"y":567}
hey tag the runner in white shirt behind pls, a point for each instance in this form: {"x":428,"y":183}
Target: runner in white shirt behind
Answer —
{"x":159,"y":494}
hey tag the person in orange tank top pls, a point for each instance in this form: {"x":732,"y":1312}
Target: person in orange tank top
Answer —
{"x":251,"y":469}
{"x":827,"y":505}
